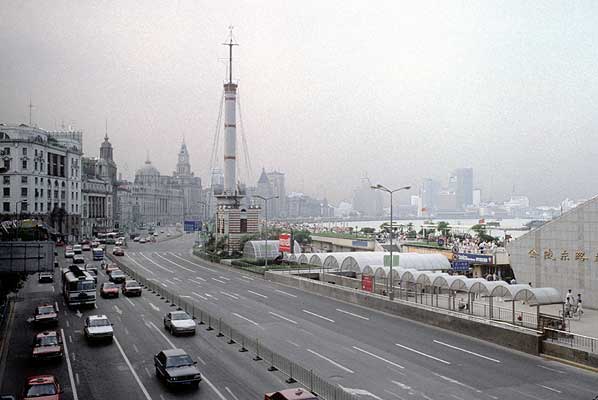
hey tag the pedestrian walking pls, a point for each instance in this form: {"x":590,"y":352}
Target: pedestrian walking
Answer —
{"x":569,"y":297}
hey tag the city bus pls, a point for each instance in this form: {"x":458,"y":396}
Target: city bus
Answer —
{"x":78,"y":287}
{"x":98,"y":254}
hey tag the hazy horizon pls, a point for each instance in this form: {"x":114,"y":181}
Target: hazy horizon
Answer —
{"x":330,"y":91}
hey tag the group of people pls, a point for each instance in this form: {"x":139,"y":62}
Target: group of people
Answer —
{"x":572,"y":305}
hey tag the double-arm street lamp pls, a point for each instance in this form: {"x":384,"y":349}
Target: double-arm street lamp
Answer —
{"x":266,"y":199}
{"x":203,"y":216}
{"x":383,"y":188}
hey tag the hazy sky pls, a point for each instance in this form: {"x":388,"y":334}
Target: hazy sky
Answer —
{"x":330,"y":90}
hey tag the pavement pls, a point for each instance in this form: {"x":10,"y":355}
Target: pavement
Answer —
{"x":373,"y":354}
{"x":124,"y":369}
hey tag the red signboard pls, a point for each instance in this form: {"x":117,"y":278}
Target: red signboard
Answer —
{"x":367,"y":283}
{"x":284,"y":243}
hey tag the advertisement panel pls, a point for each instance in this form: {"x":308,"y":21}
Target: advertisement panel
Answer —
{"x":284,"y":243}
{"x":367,"y":283}
{"x":475,"y":258}
{"x":192,"y":226}
{"x":460,"y":265}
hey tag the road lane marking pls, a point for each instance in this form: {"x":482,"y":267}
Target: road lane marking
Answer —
{"x":156,"y":264}
{"x":293,"y":343}
{"x":209,"y":295}
{"x":467,"y":351}
{"x":257,"y":294}
{"x":169,"y":281}
{"x":70,"y":339}
{"x":141,"y":266}
{"x":224,"y":277}
{"x":197,"y":283}
{"x":350,"y":313}
{"x":56,"y":304}
{"x":423,"y":354}
{"x":199,"y":295}
{"x":118,"y":310}
{"x":552,"y":369}
{"x":246,"y":319}
{"x":175,"y":264}
{"x":200,"y":278}
{"x":283,"y":292}
{"x":129,"y":300}
{"x":283,"y":317}
{"x":191,"y":262}
{"x":402,"y":385}
{"x":378,"y":357}
{"x":231,"y":393}
{"x":456,"y":382}
{"x":394,"y":394}
{"x":162,"y":334}
{"x":77,"y":378}
{"x":246,"y":277}
{"x":147,"y":372}
{"x":331,"y":361}
{"x":526,"y":394}
{"x":156,"y":308}
{"x":135,"y":348}
{"x":70,"y":368}
{"x":68,"y":324}
{"x":218,"y":280}
{"x":122,"y":352}
{"x":176,"y":279}
{"x":229,"y":295}
{"x":549,"y":388}
{"x":318,"y":315}
{"x":454,"y":396}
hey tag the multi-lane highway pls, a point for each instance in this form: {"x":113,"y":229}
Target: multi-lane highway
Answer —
{"x":124,"y":369}
{"x":367,"y":352}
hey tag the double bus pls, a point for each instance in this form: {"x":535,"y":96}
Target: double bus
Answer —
{"x":98,"y":254}
{"x":78,"y":287}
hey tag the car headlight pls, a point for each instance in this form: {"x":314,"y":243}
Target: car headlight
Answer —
{"x":198,"y":376}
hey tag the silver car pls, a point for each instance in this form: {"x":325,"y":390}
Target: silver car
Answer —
{"x":98,"y":327}
{"x":179,"y":322}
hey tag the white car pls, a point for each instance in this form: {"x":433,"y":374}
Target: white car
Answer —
{"x":137,"y":238}
{"x":179,"y":322}
{"x":69,"y":253}
{"x":77,"y":249}
{"x":142,"y":240}
{"x":98,"y":327}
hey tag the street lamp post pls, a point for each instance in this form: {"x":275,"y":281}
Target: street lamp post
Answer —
{"x":203,"y":215}
{"x":390,"y":192}
{"x":266,"y":199}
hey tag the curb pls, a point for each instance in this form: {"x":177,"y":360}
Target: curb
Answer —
{"x":570,"y":363}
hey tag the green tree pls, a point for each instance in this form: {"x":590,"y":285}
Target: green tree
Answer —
{"x":444,"y":228}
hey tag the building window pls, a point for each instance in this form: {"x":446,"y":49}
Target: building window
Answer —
{"x":6,"y":206}
{"x":23,"y":192}
{"x":72,"y":208}
{"x":24,"y":206}
{"x":62,"y":206}
{"x":77,"y":208}
{"x":6,"y":180}
{"x":62,"y":195}
{"x":36,"y":181}
{"x":36,"y":165}
{"x":23,"y":179}
{"x":7,"y":165}
{"x":36,"y":152}
{"x":6,"y":192}
{"x":56,"y":194}
{"x":36,"y":193}
{"x":24,"y":164}
{"x":35,"y":208}
{"x":41,"y":207}
{"x":24,"y":151}
{"x":49,"y":206}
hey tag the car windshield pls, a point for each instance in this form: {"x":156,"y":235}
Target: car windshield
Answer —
{"x":117,"y":273}
{"x":132,"y":284}
{"x":45,"y":389}
{"x":179,"y":316}
{"x":84,"y":285}
{"x":110,"y":285}
{"x":45,"y":310}
{"x":179,"y":361}
{"x":47,"y":340}
{"x":99,"y":322}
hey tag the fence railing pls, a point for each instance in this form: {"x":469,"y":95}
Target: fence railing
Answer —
{"x":275,"y":361}
{"x":572,"y":340}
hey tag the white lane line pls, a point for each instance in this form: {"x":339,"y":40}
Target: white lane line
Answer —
{"x":246,"y":319}
{"x":288,"y":294}
{"x":456,"y":382}
{"x":552,"y":369}
{"x":191,"y":262}
{"x":156,"y":264}
{"x":229,"y":295}
{"x":378,"y":357}
{"x":161,"y":334}
{"x":70,"y":339}
{"x":331,"y":361}
{"x":467,"y":351}
{"x":175,"y":264}
{"x":199,"y":295}
{"x":197,"y":283}
{"x":135,"y":348}
{"x":53,"y":290}
{"x":126,"y":331}
{"x":394,"y":394}
{"x":70,"y":368}
{"x":209,"y":295}
{"x":293,"y":343}
{"x":200,"y":278}
{"x":56,"y":304}
{"x":140,"y":266}
{"x":218,"y":280}
{"x":156,"y":308}
{"x":77,"y":378}
{"x":147,"y":372}
{"x":246,"y":277}
{"x":231,"y":393}
{"x":257,"y":294}
{"x":283,"y":317}
{"x":129,"y":300}
{"x":531,"y":396}
{"x":423,"y":354}
{"x":318,"y":315}
{"x":350,"y":313}
{"x":549,"y":388}
{"x":176,"y":279}
{"x":68,"y":324}
{"x":224,"y":277}
{"x":454,"y":396}
{"x":118,"y":310}
{"x":74,"y":359}
{"x":211,"y":385}
{"x":122,"y":352}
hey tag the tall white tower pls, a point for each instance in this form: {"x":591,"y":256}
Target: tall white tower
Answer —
{"x":230,"y":128}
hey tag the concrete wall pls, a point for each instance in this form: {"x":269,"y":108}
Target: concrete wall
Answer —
{"x":515,"y":338}
{"x":562,"y":253}
{"x":27,"y":257}
{"x":567,"y":353}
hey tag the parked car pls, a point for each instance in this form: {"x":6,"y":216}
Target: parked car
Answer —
{"x":179,"y":322}
{"x":45,"y":314}
{"x":68,"y":252}
{"x":77,"y":249}
{"x":117,"y":251}
{"x":117,"y":276}
{"x":45,"y":277}
{"x":98,"y":327}
{"x":131,"y":288}
{"x":47,"y":345}
{"x":78,"y":259}
{"x":176,"y":367}
{"x":291,"y":394}
{"x":86,"y":247}
{"x":44,"y":387}
{"x":109,"y":289}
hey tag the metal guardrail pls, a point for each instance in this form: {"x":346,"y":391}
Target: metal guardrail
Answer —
{"x":572,"y":340}
{"x":275,"y":361}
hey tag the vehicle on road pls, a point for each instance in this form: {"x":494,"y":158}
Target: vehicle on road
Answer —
{"x":93,"y":271}
{"x":86,"y":247}
{"x":77,"y":249}
{"x":94,"y":244}
{"x":78,"y":259}
{"x":117,"y":251}
{"x":168,"y":234}
{"x":176,"y":367}
{"x":45,"y":277}
{"x":137,"y":238}
{"x":68,"y":252}
{"x":291,"y":394}
{"x":120,"y":242}
{"x":47,"y":345}
{"x":78,"y":286}
{"x":98,"y":327}
{"x":59,"y":243}
{"x":109,"y":289}
{"x":97,"y":254}
{"x":179,"y":322}
{"x":117,"y":276}
{"x":131,"y":288}
{"x":42,"y":387}
{"x":45,"y":314}
{"x":143,"y":240}
{"x":110,"y":267}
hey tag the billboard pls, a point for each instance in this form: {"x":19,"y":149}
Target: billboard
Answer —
{"x":475,"y":258}
{"x":284,"y":243}
{"x":27,"y":257}
{"x":367,"y":283}
{"x":192,"y":226}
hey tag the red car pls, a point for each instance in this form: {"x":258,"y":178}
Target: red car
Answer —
{"x":45,"y":314}
{"x":111,"y":267}
{"x":42,"y":387}
{"x":109,"y":289}
{"x":118,"y":251}
{"x":291,"y":394}
{"x":47,"y":345}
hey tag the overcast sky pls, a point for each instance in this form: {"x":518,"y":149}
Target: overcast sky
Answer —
{"x":331,"y":91}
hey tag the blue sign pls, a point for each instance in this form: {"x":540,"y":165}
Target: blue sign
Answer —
{"x":475,"y":258}
{"x":461,"y":265}
{"x":192,"y":226}
{"x":360,"y":243}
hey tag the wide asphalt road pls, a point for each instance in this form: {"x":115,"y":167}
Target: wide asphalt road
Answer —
{"x":124,"y":369}
{"x":369,"y":353}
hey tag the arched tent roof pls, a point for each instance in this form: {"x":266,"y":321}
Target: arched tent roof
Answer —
{"x":292,"y":257}
{"x":540,"y":296}
{"x":503,"y":289}
{"x":357,"y":260}
{"x":368,"y":270}
{"x":334,"y":260}
{"x":423,"y":262}
{"x":303,"y":258}
{"x":381,"y":271}
{"x":257,"y":249}
{"x":315,"y":259}
{"x":454,"y":282}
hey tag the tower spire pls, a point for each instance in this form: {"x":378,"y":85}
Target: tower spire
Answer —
{"x":106,"y":131}
{"x":230,"y":45}
{"x":30,"y":108}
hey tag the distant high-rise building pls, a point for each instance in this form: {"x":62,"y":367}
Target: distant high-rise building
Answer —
{"x":461,"y":183}
{"x":277,"y":181}
{"x":429,"y":196}
{"x":366,"y":201}
{"x":477,"y":197}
